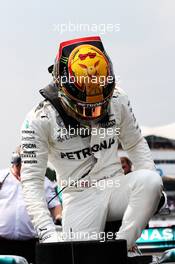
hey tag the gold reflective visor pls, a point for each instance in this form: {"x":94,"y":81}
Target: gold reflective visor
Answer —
{"x":87,"y":111}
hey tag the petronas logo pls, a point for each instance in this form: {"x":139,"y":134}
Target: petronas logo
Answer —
{"x":27,"y":124}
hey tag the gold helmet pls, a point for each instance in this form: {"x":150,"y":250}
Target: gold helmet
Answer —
{"x":85,"y":77}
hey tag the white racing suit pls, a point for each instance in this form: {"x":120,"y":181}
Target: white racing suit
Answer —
{"x":105,"y":193}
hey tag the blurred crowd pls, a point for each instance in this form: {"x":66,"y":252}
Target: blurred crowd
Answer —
{"x":14,"y":221}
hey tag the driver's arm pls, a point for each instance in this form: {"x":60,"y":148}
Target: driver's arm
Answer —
{"x":35,"y":147}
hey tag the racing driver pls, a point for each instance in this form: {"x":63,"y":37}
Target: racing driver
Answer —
{"x":77,"y":128}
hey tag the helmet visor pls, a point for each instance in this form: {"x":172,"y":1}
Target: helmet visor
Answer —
{"x":87,"y":111}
